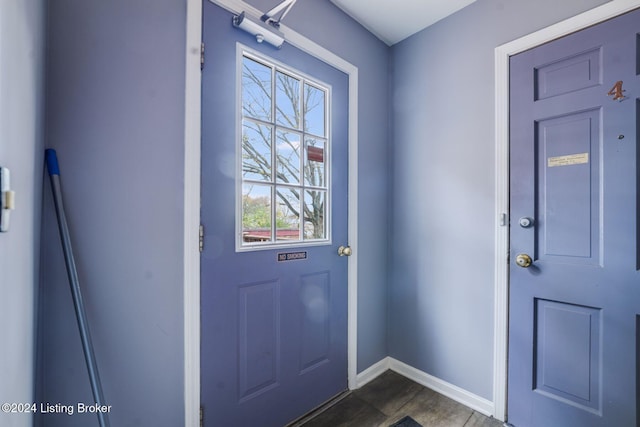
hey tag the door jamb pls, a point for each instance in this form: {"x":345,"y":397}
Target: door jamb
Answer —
{"x":501,"y":291}
{"x":192,"y":171}
{"x":191,"y":252}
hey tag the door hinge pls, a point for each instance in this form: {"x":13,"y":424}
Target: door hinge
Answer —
{"x":201,"y":56}
{"x":201,"y":417}
{"x":201,"y":238}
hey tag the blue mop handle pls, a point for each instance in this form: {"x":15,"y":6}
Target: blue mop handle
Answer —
{"x":72,"y":273}
{"x":52,"y":161}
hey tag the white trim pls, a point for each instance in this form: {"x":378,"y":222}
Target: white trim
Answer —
{"x":456,"y":393}
{"x":191,"y":294}
{"x":372,"y":372}
{"x":502,"y":54}
{"x":306,"y":45}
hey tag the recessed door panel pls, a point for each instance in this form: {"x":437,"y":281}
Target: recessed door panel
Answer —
{"x":569,"y":74}
{"x":258,"y":338}
{"x":315,"y":298}
{"x":568,"y":348}
{"x":637,"y":245}
{"x":638,"y":54}
{"x":569,"y":195}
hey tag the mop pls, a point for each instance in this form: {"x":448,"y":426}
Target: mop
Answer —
{"x":94,"y":378}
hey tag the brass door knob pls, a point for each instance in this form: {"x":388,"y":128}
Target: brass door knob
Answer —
{"x":344,"y":251}
{"x":523,"y":260}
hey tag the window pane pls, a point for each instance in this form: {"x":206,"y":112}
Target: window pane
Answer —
{"x":314,"y":110}
{"x":256,"y":151}
{"x":256,"y":90}
{"x":288,"y":157}
{"x":314,"y":214}
{"x":285,"y":157}
{"x":287,"y":101}
{"x":314,"y":171}
{"x":256,"y":213}
{"x":288,"y":214}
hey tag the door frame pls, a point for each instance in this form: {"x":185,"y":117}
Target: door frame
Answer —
{"x":501,"y":266}
{"x":192,"y":136}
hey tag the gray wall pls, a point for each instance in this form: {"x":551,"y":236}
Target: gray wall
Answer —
{"x":115,"y":115}
{"x":328,"y":26}
{"x":21,"y":124}
{"x":441,"y":292}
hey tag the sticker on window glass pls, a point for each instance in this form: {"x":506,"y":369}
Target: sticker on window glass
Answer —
{"x":572,"y":159}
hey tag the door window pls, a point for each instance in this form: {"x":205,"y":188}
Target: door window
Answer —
{"x":284,"y":156}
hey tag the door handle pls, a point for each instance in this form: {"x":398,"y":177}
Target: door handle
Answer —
{"x":524,"y":260}
{"x":525,"y":222}
{"x":344,"y":251}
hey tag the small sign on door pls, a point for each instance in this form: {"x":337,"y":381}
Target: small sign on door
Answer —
{"x":291,"y":256}
{"x":572,"y":159}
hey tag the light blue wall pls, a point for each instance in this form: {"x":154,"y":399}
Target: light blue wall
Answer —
{"x":115,"y":115}
{"x":21,"y":141}
{"x":116,"y":102}
{"x":441,"y":289}
{"x":328,"y":26}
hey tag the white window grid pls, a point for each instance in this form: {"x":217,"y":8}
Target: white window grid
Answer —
{"x":276,"y":66}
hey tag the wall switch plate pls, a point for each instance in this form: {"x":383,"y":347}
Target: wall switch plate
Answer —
{"x":7,"y":199}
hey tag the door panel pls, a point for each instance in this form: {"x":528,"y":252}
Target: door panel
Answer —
{"x":568,"y":74}
{"x":573,"y":312}
{"x":568,"y":154}
{"x":314,"y":319}
{"x":573,"y":332}
{"x":273,"y":326}
{"x":258,"y":338}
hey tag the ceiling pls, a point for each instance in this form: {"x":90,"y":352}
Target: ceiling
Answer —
{"x":395,"y":20}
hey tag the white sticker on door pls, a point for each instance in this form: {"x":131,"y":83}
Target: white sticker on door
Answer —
{"x":572,"y":159}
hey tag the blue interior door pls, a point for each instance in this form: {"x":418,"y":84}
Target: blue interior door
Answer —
{"x":574,"y":264}
{"x":273,"y":314}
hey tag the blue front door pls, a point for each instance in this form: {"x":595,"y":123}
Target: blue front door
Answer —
{"x":574,"y":310}
{"x":274,"y":211}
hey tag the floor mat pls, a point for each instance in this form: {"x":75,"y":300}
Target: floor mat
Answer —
{"x":406,"y":422}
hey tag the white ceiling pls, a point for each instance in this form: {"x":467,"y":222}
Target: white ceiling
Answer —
{"x":395,"y":20}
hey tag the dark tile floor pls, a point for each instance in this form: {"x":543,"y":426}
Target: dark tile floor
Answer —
{"x":391,"y":397}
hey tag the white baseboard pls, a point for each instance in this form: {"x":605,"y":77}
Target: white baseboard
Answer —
{"x":454,"y":392}
{"x":460,"y":395}
{"x":372,"y":372}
